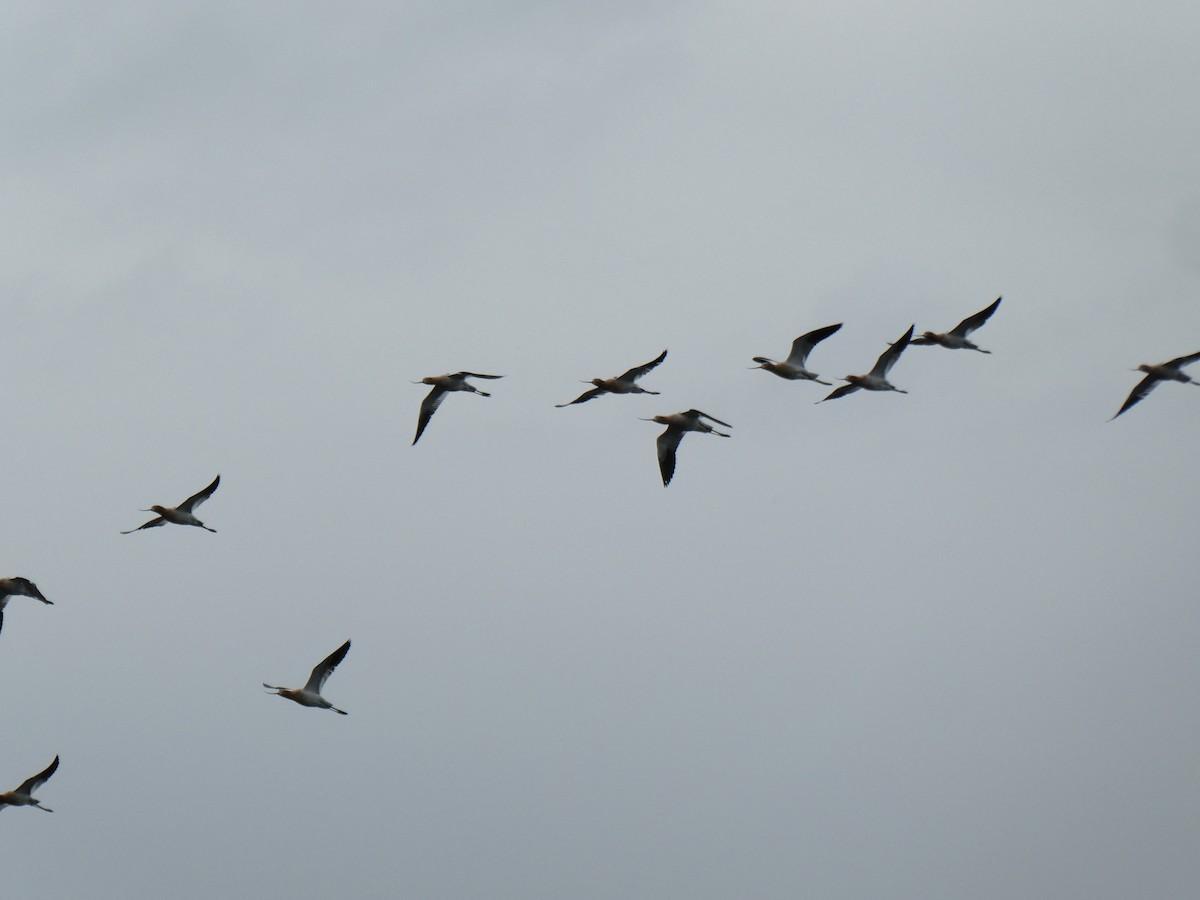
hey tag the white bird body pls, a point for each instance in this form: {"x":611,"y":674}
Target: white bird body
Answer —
{"x":23,"y":796}
{"x":443,"y":384}
{"x":793,"y":368}
{"x":876,"y":379}
{"x":310,"y":694}
{"x":181,"y":514}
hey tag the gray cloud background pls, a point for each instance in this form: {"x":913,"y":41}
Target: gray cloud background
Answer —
{"x":926,"y":646}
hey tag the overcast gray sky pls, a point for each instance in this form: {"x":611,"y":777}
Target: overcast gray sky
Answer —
{"x":940,"y":645}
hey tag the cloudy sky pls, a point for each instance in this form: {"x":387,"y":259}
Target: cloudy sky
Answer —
{"x":935,"y":645}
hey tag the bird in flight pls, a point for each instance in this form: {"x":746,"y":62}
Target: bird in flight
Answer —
{"x":181,"y":514}
{"x":876,"y":379}
{"x":1171,"y":370}
{"x":957,"y":337}
{"x":625,"y":383}
{"x":310,"y":694}
{"x":442,"y":384}
{"x":12,"y":587}
{"x":23,"y":796}
{"x":792,"y":368}
{"x":677,"y":424}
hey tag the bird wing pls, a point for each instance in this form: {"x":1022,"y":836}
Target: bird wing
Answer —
{"x":584,"y":397}
{"x":803,"y":345}
{"x":1,"y":616}
{"x":153,"y":523}
{"x":667,"y":443}
{"x":1139,"y":392}
{"x":696,"y":412}
{"x":1180,"y":361}
{"x":32,"y":784}
{"x":638,"y":371}
{"x":971,"y":322}
{"x":199,"y":497}
{"x":474,"y":375}
{"x":326,"y":666}
{"x":428,"y":407}
{"x":840,"y":392}
{"x":31,"y":590}
{"x":888,"y":358}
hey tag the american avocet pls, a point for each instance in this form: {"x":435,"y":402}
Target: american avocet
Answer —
{"x":621,"y":384}
{"x":23,"y":796}
{"x":677,"y":424}
{"x":310,"y":694}
{"x":793,"y":367}
{"x":956,"y":337}
{"x":442,"y":384}
{"x":876,"y":379}
{"x":181,"y":514}
{"x":1171,"y":370}
{"x":12,"y":587}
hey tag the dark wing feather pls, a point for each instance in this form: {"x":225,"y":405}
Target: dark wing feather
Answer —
{"x":584,"y":397}
{"x":667,"y":443}
{"x":638,"y":371}
{"x":199,"y":497}
{"x":1180,"y":361}
{"x":31,"y":590}
{"x":428,"y":407}
{"x":1143,"y":387}
{"x":153,"y":523}
{"x":475,"y":375}
{"x":971,"y":322}
{"x":888,"y":358}
{"x":803,"y":345}
{"x":325,"y":667}
{"x":32,"y":784}
{"x":840,"y":392}
{"x":707,"y":416}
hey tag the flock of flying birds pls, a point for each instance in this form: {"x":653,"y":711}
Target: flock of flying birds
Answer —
{"x":183,"y":514}
{"x":794,"y":368}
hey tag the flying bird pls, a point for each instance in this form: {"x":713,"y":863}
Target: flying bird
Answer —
{"x":624,"y":383}
{"x":442,"y":384}
{"x":957,"y":337}
{"x":1172,"y":370}
{"x":310,"y":694}
{"x":181,"y":514}
{"x":677,"y":424}
{"x":793,"y":367}
{"x":13,"y":587}
{"x":23,"y":796}
{"x":876,"y":379}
